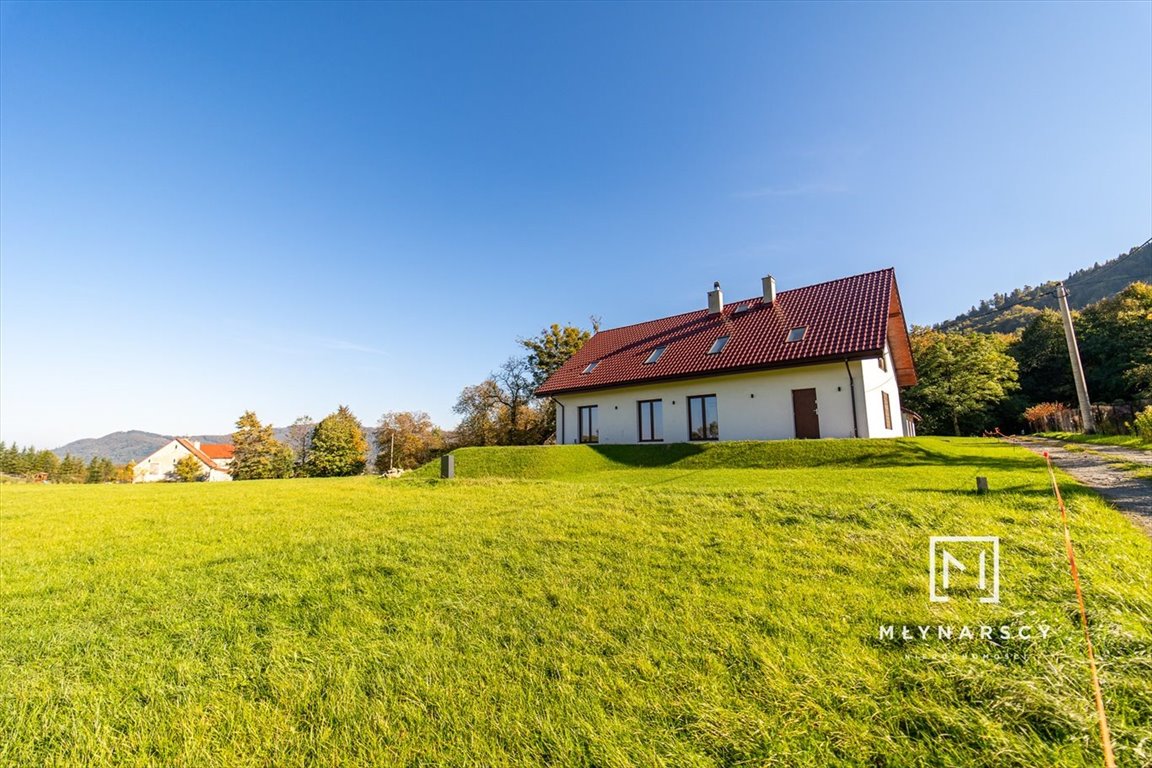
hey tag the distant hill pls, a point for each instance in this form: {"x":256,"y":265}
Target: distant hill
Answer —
{"x":134,"y":445}
{"x":1008,"y":312}
{"x":122,"y":447}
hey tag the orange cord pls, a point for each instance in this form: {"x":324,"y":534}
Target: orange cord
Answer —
{"x":1105,"y":737}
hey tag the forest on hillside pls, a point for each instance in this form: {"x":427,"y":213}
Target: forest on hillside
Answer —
{"x":1013,"y":311}
{"x":971,"y":381}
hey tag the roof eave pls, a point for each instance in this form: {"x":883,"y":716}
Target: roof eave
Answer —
{"x":806,"y":362}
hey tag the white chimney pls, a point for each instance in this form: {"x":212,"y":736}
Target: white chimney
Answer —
{"x":769,"y":289}
{"x":715,"y":300}
{"x":196,"y":443}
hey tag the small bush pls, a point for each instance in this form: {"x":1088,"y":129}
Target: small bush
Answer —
{"x":1142,"y":424}
{"x":1041,"y":415}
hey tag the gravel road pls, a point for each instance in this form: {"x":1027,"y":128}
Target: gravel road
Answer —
{"x":1129,"y":494}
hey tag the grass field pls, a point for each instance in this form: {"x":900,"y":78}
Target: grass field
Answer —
{"x":676,"y":606}
{"x":1126,"y":441}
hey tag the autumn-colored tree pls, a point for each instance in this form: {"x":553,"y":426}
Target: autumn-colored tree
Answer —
{"x":338,"y":446}
{"x":126,"y":473}
{"x":963,"y":378}
{"x":515,"y":392}
{"x":189,"y":469}
{"x":478,"y":406}
{"x":257,"y":454}
{"x":406,"y":440}
{"x":501,"y":410}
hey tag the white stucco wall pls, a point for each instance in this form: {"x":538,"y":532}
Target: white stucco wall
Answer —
{"x":750,"y":406}
{"x":156,"y":467}
{"x":876,"y":380}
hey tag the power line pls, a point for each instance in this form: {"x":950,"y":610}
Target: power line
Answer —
{"x":1004,"y":307}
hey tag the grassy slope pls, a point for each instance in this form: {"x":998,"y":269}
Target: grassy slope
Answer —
{"x":1127,"y":441}
{"x":594,"y":614}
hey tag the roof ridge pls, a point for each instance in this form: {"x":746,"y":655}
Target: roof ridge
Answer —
{"x":205,"y":458}
{"x":848,"y":317}
{"x":747,"y":300}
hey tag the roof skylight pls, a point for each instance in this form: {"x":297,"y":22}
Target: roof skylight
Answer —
{"x":655,"y":354}
{"x":740,"y":309}
{"x":796,"y":334}
{"x":591,"y":366}
{"x":718,"y":345}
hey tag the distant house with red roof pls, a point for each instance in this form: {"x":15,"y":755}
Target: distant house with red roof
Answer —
{"x":160,"y":466}
{"x":826,"y":360}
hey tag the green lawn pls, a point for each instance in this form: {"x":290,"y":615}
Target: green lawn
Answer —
{"x":1127,"y":441}
{"x":678,"y":606}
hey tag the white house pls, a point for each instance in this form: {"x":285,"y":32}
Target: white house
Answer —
{"x":826,"y":360}
{"x":215,"y":458}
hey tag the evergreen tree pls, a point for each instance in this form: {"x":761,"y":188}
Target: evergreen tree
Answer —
{"x":70,"y":470}
{"x":338,"y":447}
{"x":100,"y":470}
{"x":46,"y":461}
{"x":257,"y":454}
{"x":9,"y":456}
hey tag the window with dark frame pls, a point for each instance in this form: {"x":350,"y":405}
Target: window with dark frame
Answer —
{"x":655,"y":354}
{"x":887,"y":410}
{"x":718,"y":345}
{"x":589,"y":424}
{"x":883,"y":360}
{"x":703,"y":423}
{"x":650,"y":420}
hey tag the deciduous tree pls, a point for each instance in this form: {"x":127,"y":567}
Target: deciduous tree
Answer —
{"x":1041,"y":354}
{"x":300,"y":439}
{"x":1115,"y":338}
{"x":189,"y":470}
{"x":407,"y":439}
{"x":553,"y":346}
{"x":479,"y":409}
{"x":963,"y":378}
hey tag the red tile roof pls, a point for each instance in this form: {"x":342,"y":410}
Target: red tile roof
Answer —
{"x":217,"y":450}
{"x":204,"y":458}
{"x":850,"y":318}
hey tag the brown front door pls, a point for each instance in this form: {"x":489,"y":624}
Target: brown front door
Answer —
{"x":804,"y":413}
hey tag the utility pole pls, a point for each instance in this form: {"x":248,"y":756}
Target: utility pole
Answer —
{"x":1074,"y":355}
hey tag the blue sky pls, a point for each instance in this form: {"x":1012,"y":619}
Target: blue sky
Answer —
{"x":207,"y":208}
